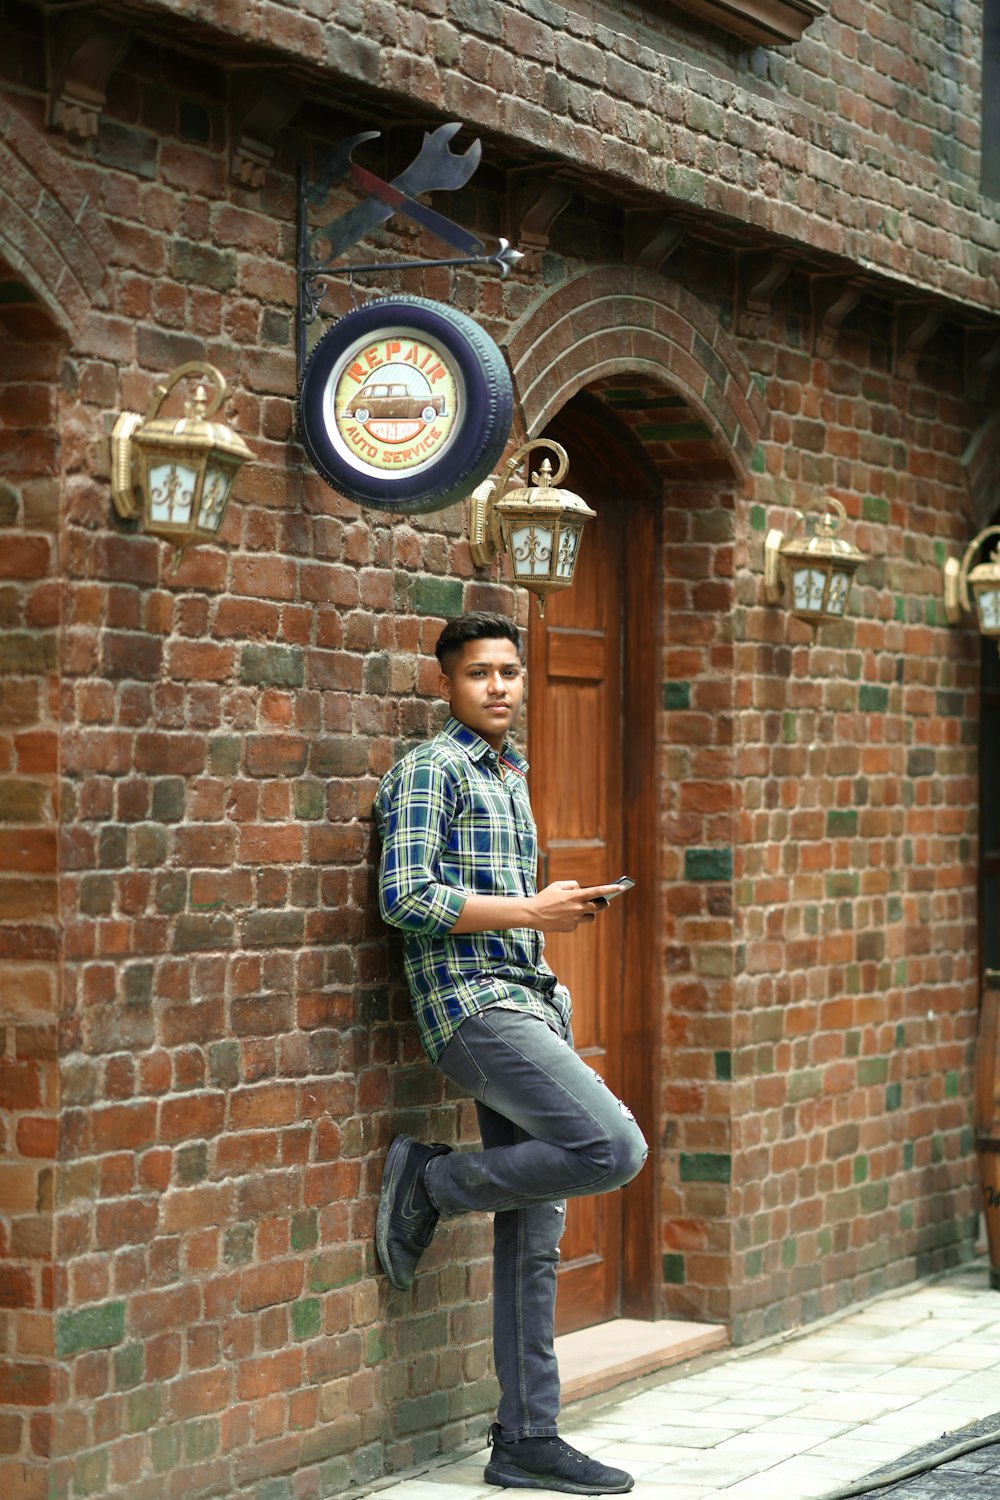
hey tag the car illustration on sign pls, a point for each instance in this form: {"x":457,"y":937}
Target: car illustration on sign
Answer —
{"x":393,"y":402}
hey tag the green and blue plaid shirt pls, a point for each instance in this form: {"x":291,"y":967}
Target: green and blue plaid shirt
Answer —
{"x":452,"y":825}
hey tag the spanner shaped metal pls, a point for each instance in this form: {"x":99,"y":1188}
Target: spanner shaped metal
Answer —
{"x":434,"y":167}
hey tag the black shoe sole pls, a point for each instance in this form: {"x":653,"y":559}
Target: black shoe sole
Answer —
{"x":394,"y":1163}
{"x":513,"y":1478}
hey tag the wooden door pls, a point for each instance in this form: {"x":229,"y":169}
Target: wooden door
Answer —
{"x":576,"y":753}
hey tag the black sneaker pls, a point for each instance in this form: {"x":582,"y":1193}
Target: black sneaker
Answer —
{"x":548,"y":1463}
{"x":407,"y":1218}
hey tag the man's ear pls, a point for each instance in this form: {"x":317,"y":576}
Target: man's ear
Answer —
{"x":444,"y":687}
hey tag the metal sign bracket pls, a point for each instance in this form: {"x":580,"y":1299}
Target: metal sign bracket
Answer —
{"x":435,"y":167}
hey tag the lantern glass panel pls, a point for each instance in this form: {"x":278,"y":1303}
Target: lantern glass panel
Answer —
{"x":808,"y":589}
{"x":531,"y":550}
{"x":214,"y":495}
{"x":171,"y":491}
{"x":569,"y":541}
{"x":837,"y":597}
{"x":988,"y":604}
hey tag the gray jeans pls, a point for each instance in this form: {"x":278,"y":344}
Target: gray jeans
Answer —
{"x":551,"y":1130}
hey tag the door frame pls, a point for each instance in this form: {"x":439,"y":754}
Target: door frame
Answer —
{"x":594,"y":434}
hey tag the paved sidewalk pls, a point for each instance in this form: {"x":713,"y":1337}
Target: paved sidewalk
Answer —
{"x":789,"y":1421}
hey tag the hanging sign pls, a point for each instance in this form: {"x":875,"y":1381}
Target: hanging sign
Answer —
{"x":406,"y":404}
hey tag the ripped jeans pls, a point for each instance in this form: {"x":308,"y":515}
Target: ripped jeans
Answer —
{"x":551,"y":1129}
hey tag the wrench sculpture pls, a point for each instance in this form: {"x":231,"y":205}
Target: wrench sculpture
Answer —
{"x":435,"y":167}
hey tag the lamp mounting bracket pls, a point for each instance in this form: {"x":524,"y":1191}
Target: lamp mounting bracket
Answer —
{"x":434,"y":168}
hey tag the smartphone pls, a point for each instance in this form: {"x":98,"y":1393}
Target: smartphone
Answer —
{"x":623,"y":883}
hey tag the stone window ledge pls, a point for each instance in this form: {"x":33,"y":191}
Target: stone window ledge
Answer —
{"x":767,"y":22}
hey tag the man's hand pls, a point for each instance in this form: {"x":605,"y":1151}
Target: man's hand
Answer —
{"x":564,"y":904}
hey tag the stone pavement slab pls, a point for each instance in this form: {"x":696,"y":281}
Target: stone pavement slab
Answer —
{"x":796,"y":1418}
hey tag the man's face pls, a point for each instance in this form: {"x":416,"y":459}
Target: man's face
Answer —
{"x":484,"y":688}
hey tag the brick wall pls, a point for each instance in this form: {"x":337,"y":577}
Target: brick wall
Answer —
{"x":234,"y":1047}
{"x":30,"y":599}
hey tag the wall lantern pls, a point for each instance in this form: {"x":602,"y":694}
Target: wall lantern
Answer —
{"x":538,"y":525}
{"x":176,"y":474}
{"x":814,"y":572}
{"x":984,"y":581}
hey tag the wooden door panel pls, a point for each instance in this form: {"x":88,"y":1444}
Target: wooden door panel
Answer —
{"x":575,"y":749}
{"x":575,"y":655}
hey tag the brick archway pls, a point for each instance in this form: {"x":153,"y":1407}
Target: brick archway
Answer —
{"x":626,"y":321}
{"x":51,"y":237}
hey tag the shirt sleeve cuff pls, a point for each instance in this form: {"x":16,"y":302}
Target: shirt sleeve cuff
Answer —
{"x":444,"y":908}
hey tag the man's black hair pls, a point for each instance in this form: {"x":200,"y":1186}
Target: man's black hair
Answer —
{"x":477,"y":625}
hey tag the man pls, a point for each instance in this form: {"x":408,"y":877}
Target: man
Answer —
{"x":458,"y":877}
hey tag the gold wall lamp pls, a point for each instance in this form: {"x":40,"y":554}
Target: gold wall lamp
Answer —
{"x":175,"y":474}
{"x":539,"y":526}
{"x":815,"y":571}
{"x":984,"y":583}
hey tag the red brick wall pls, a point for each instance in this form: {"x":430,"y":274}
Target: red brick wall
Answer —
{"x":30,"y":600}
{"x":235,"y":1050}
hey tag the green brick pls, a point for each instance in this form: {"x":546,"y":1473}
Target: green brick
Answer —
{"x":757,"y":462}
{"x":437,"y":596}
{"x":310,"y":799}
{"x":907,"y":1156}
{"x":673,"y":1269}
{"x":165,"y":1445}
{"x":754,"y":1263}
{"x":789,"y":1253}
{"x":874,"y":1197}
{"x":724,"y":1066}
{"x":706,"y":1166}
{"x":842,"y":884}
{"x":949,"y":705}
{"x":192,"y":1163}
{"x":237,"y":1244}
{"x":937,"y":1148}
{"x":806,"y":1084}
{"x":143,"y":1408}
{"x":307,"y":1317}
{"x":375,"y":1347}
{"x":129,"y":1366}
{"x":272,"y":666}
{"x":676,"y":695}
{"x":224,"y":751}
{"x":201,"y":1439}
{"x":872,"y":698}
{"x":860,"y":1171}
{"x":841,"y":822}
{"x":758,"y":518}
{"x":304,"y":1230}
{"x":824,"y":1241}
{"x":872,"y":1070}
{"x":906,"y":1216}
{"x":708,"y":864}
{"x":893,"y":1096}
{"x":90,"y":1328}
{"x":333,"y":1269}
{"x":90,"y":1474}
{"x":789,"y":728}
{"x":874,"y":508}
{"x":951,"y":1085}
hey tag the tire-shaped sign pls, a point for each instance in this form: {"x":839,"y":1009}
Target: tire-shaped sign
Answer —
{"x":406,"y":404}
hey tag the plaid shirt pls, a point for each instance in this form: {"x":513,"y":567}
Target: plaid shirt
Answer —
{"x":452,"y":825}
